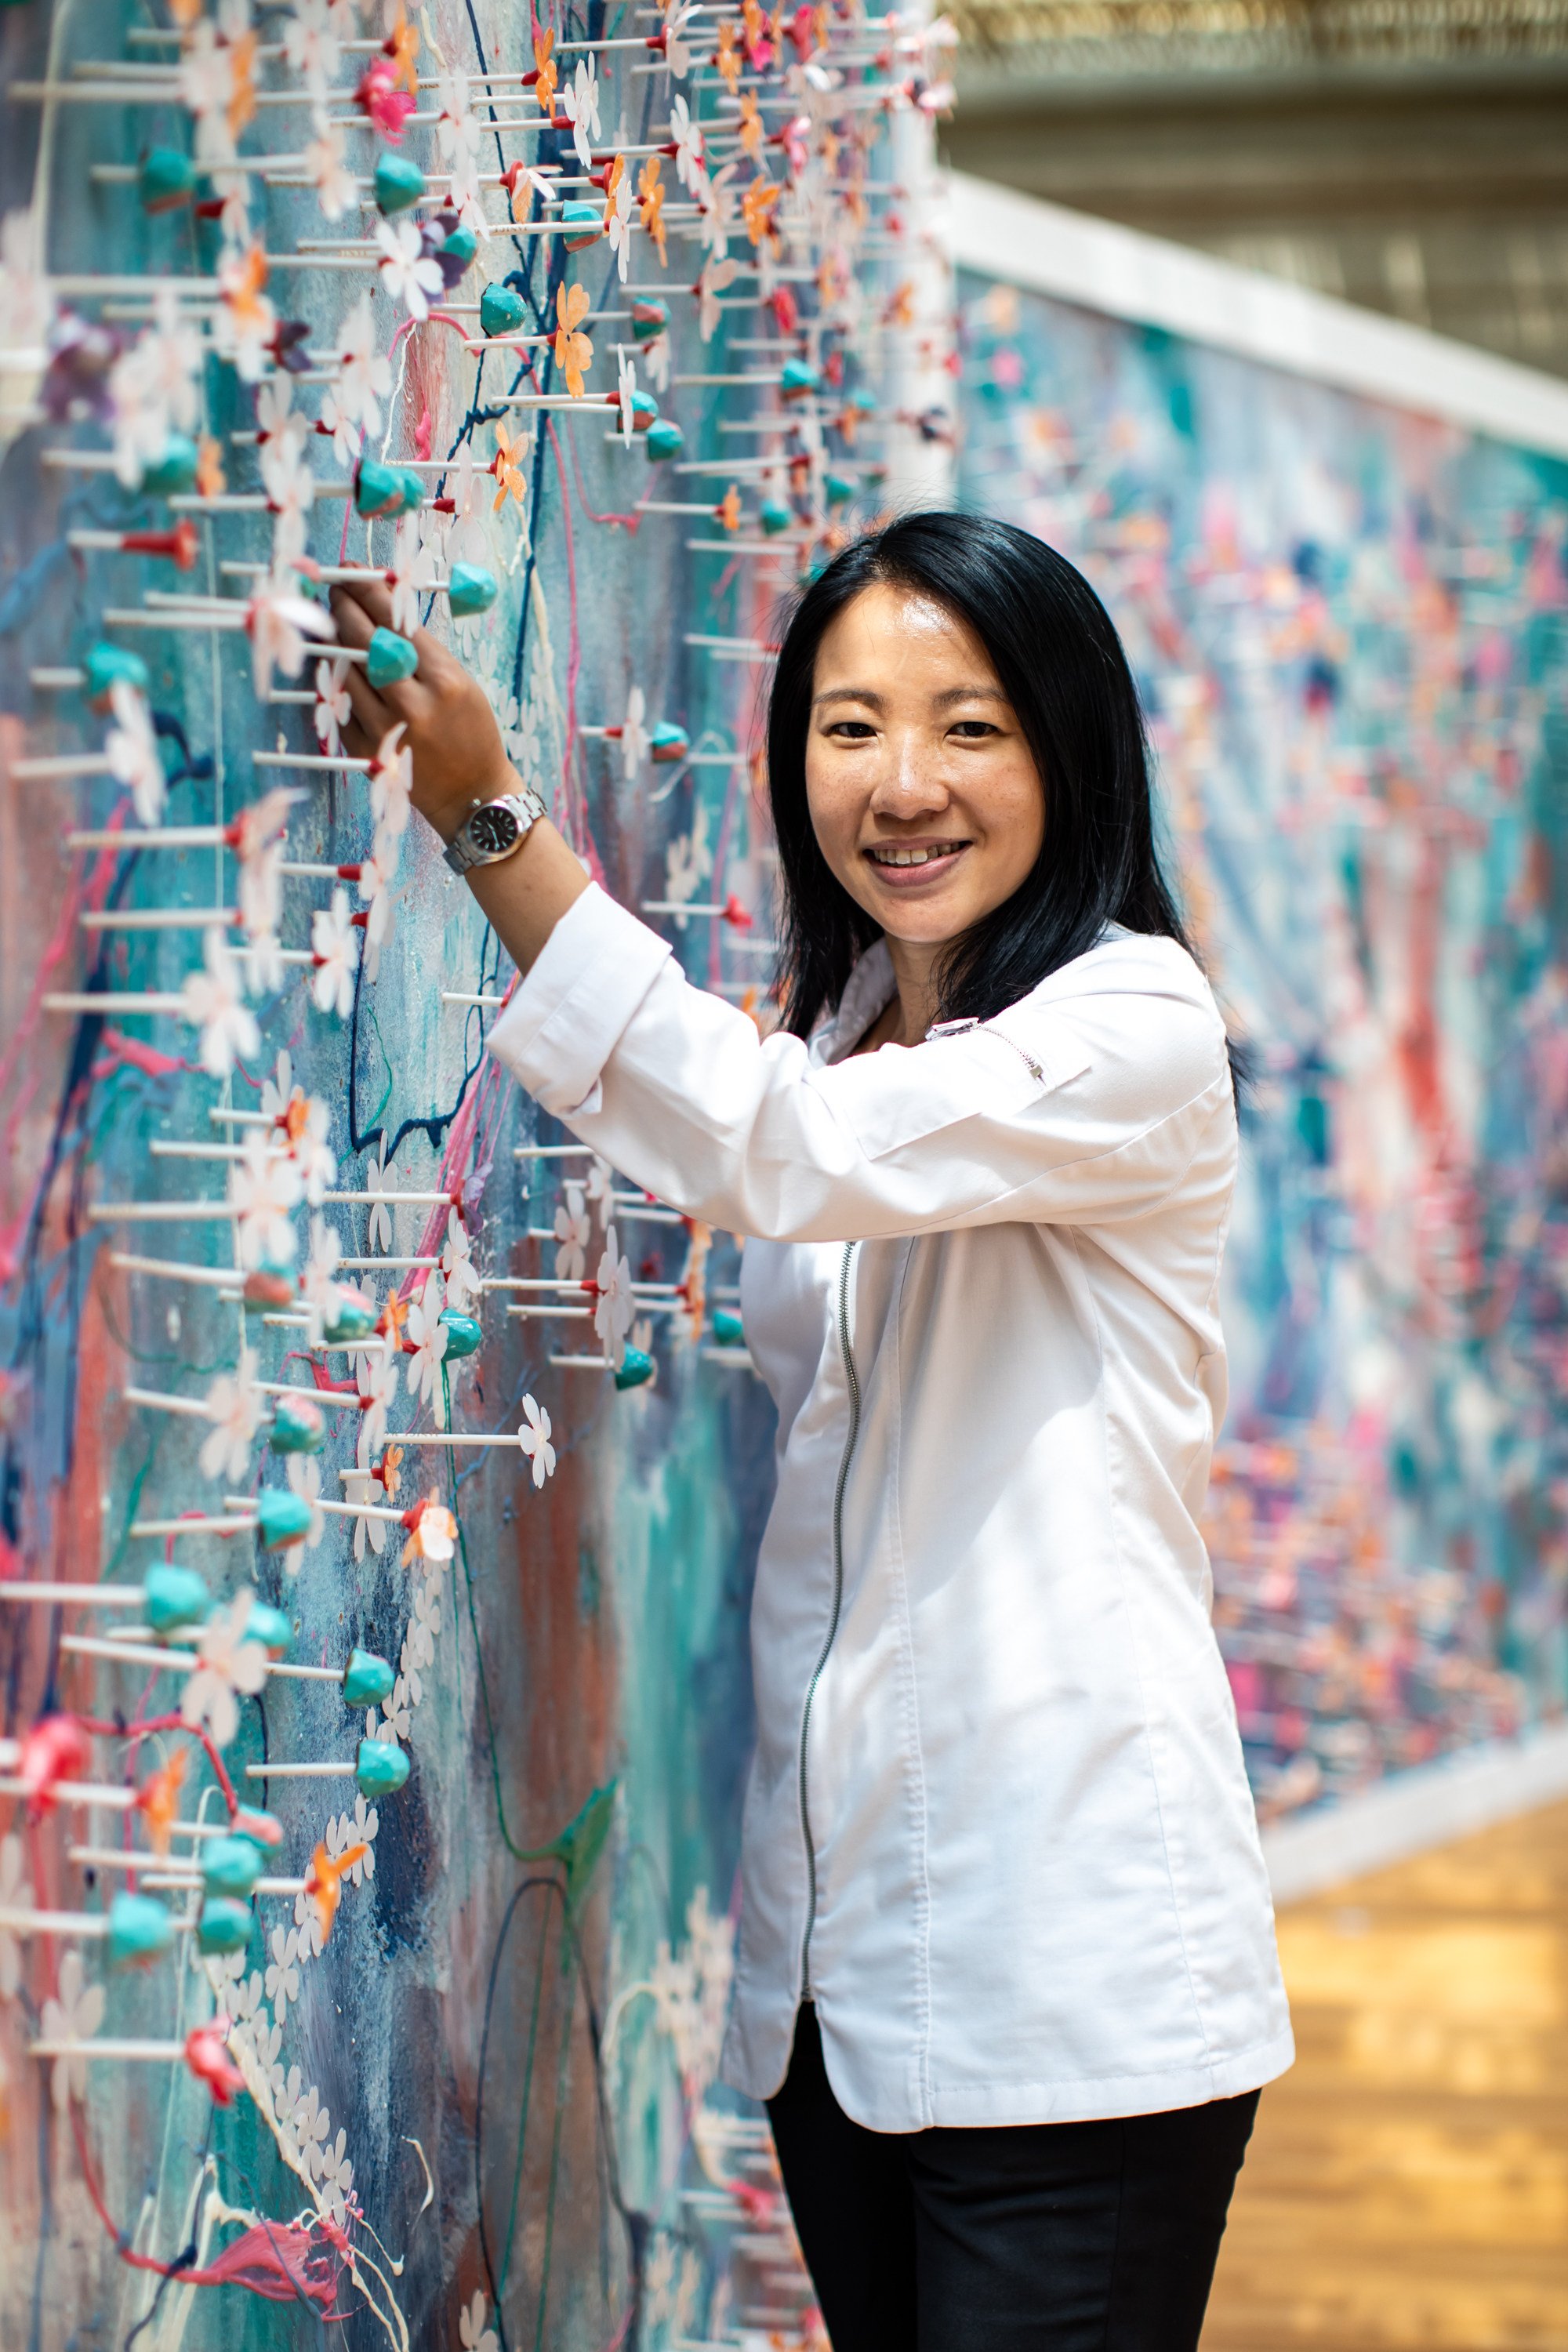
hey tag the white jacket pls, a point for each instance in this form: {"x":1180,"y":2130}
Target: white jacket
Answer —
{"x":997,"y":1821}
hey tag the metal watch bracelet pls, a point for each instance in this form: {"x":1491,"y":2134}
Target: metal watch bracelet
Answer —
{"x":494,"y":830}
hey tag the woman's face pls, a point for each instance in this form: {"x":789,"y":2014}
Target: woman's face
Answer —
{"x":922,"y":791}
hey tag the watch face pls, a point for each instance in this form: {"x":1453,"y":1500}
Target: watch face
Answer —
{"x":493,"y":829}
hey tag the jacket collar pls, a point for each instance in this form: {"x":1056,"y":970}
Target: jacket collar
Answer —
{"x":867,"y":991}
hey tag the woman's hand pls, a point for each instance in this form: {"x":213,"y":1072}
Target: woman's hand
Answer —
{"x":458,"y":759}
{"x":449,"y":727}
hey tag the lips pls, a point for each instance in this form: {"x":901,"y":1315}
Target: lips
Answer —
{"x":911,"y":865}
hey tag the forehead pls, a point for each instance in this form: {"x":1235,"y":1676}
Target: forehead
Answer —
{"x":889,"y":632}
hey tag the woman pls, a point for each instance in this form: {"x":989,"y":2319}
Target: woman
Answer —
{"x":1006,"y":1974}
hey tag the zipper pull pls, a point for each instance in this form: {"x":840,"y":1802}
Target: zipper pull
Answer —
{"x":960,"y":1028}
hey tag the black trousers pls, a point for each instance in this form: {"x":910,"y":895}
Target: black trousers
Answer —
{"x":1096,"y":2237}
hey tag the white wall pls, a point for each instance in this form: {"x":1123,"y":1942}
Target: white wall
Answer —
{"x":1102,"y":267}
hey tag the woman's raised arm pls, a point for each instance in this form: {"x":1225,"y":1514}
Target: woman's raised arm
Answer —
{"x":459,"y":760}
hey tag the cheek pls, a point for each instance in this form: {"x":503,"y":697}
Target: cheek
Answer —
{"x":834,"y":806}
{"x":1019,"y":804}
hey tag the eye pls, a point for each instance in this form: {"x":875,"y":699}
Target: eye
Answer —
{"x":972,"y":730}
{"x":852,"y":730}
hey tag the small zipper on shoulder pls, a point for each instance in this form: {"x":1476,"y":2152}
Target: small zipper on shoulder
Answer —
{"x":961,"y":1028}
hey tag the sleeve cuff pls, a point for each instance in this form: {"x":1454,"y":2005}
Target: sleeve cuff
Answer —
{"x":571,"y":1011}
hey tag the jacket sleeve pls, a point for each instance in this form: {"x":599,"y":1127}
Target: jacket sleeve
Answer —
{"x":1075,"y":1111}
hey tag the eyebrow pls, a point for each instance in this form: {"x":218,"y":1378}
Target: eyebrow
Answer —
{"x":953,"y":694}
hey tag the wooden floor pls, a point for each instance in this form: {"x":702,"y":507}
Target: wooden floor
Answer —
{"x":1408,"y":2184}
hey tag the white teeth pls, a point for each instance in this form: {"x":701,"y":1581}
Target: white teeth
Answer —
{"x":913,"y":857}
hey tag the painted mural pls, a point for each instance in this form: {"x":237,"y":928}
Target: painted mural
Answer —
{"x":1349,"y":628}
{"x":379,"y":1475}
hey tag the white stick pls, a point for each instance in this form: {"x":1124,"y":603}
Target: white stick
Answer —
{"x":190,"y":1406}
{"x":213,"y":1276}
{"x":159,"y":1212}
{"x":183,"y":1662}
{"x":314,"y":762}
{"x":165,"y":836}
{"x":129,"y":2050}
{"x":109,"y":1000}
{"x":68,"y":764}
{"x":158,"y":918}
{"x":451,"y":1437}
{"x":318,"y":1396}
{"x":558,"y":1285}
{"x":76,"y":1596}
{"x":74,"y":1793}
{"x":392,"y":1198}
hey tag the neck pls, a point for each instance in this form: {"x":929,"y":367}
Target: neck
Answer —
{"x":914,"y":968}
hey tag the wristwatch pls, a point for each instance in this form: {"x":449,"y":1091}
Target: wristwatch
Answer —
{"x":494,"y":829}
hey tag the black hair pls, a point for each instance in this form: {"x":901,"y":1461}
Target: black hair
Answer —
{"x":1060,"y":663}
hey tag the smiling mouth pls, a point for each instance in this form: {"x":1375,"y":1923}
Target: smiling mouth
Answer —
{"x":893,"y":857}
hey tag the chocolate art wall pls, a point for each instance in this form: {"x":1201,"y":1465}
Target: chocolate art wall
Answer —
{"x":381,"y":1474}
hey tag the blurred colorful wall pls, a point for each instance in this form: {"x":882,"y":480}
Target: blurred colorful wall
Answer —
{"x":1347,"y":619}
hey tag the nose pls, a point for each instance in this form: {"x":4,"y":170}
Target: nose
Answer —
{"x":909,"y":786}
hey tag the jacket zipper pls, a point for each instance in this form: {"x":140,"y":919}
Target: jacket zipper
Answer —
{"x":958,"y":1028}
{"x":852,"y":1381}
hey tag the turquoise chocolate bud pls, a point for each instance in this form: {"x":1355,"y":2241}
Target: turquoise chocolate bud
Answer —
{"x":645,"y":409}
{"x":298,"y":1426}
{"x":355,"y":1318}
{"x":230,"y":1865}
{"x":461,"y":246}
{"x":650,"y":320}
{"x":728,"y":1328}
{"x":139,"y":1929}
{"x":108,"y":665}
{"x":264,"y":1830}
{"x":389,"y":659}
{"x":174,"y":472}
{"x":382,"y":1768}
{"x":398,"y":183}
{"x":663,"y":439}
{"x":174,"y":1599}
{"x":584,"y":224}
{"x":502,"y":311}
{"x":224,"y":1927}
{"x":266,"y":1290}
{"x":667,"y":743}
{"x":165,"y":178}
{"x":413,"y":489}
{"x":838,"y":489}
{"x":270,"y":1627}
{"x":470,"y":588}
{"x":636,"y":1367}
{"x":775,"y":517}
{"x":283,"y":1517}
{"x":378,"y":488}
{"x":464,"y":1333}
{"x":797,"y":377}
{"x":367,"y":1679}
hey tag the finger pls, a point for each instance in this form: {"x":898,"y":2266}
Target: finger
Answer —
{"x":405,"y":698}
{"x":377,"y":707}
{"x":356,"y":742}
{"x":355,"y":627}
{"x":372,"y":599}
{"x":371,"y":715}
